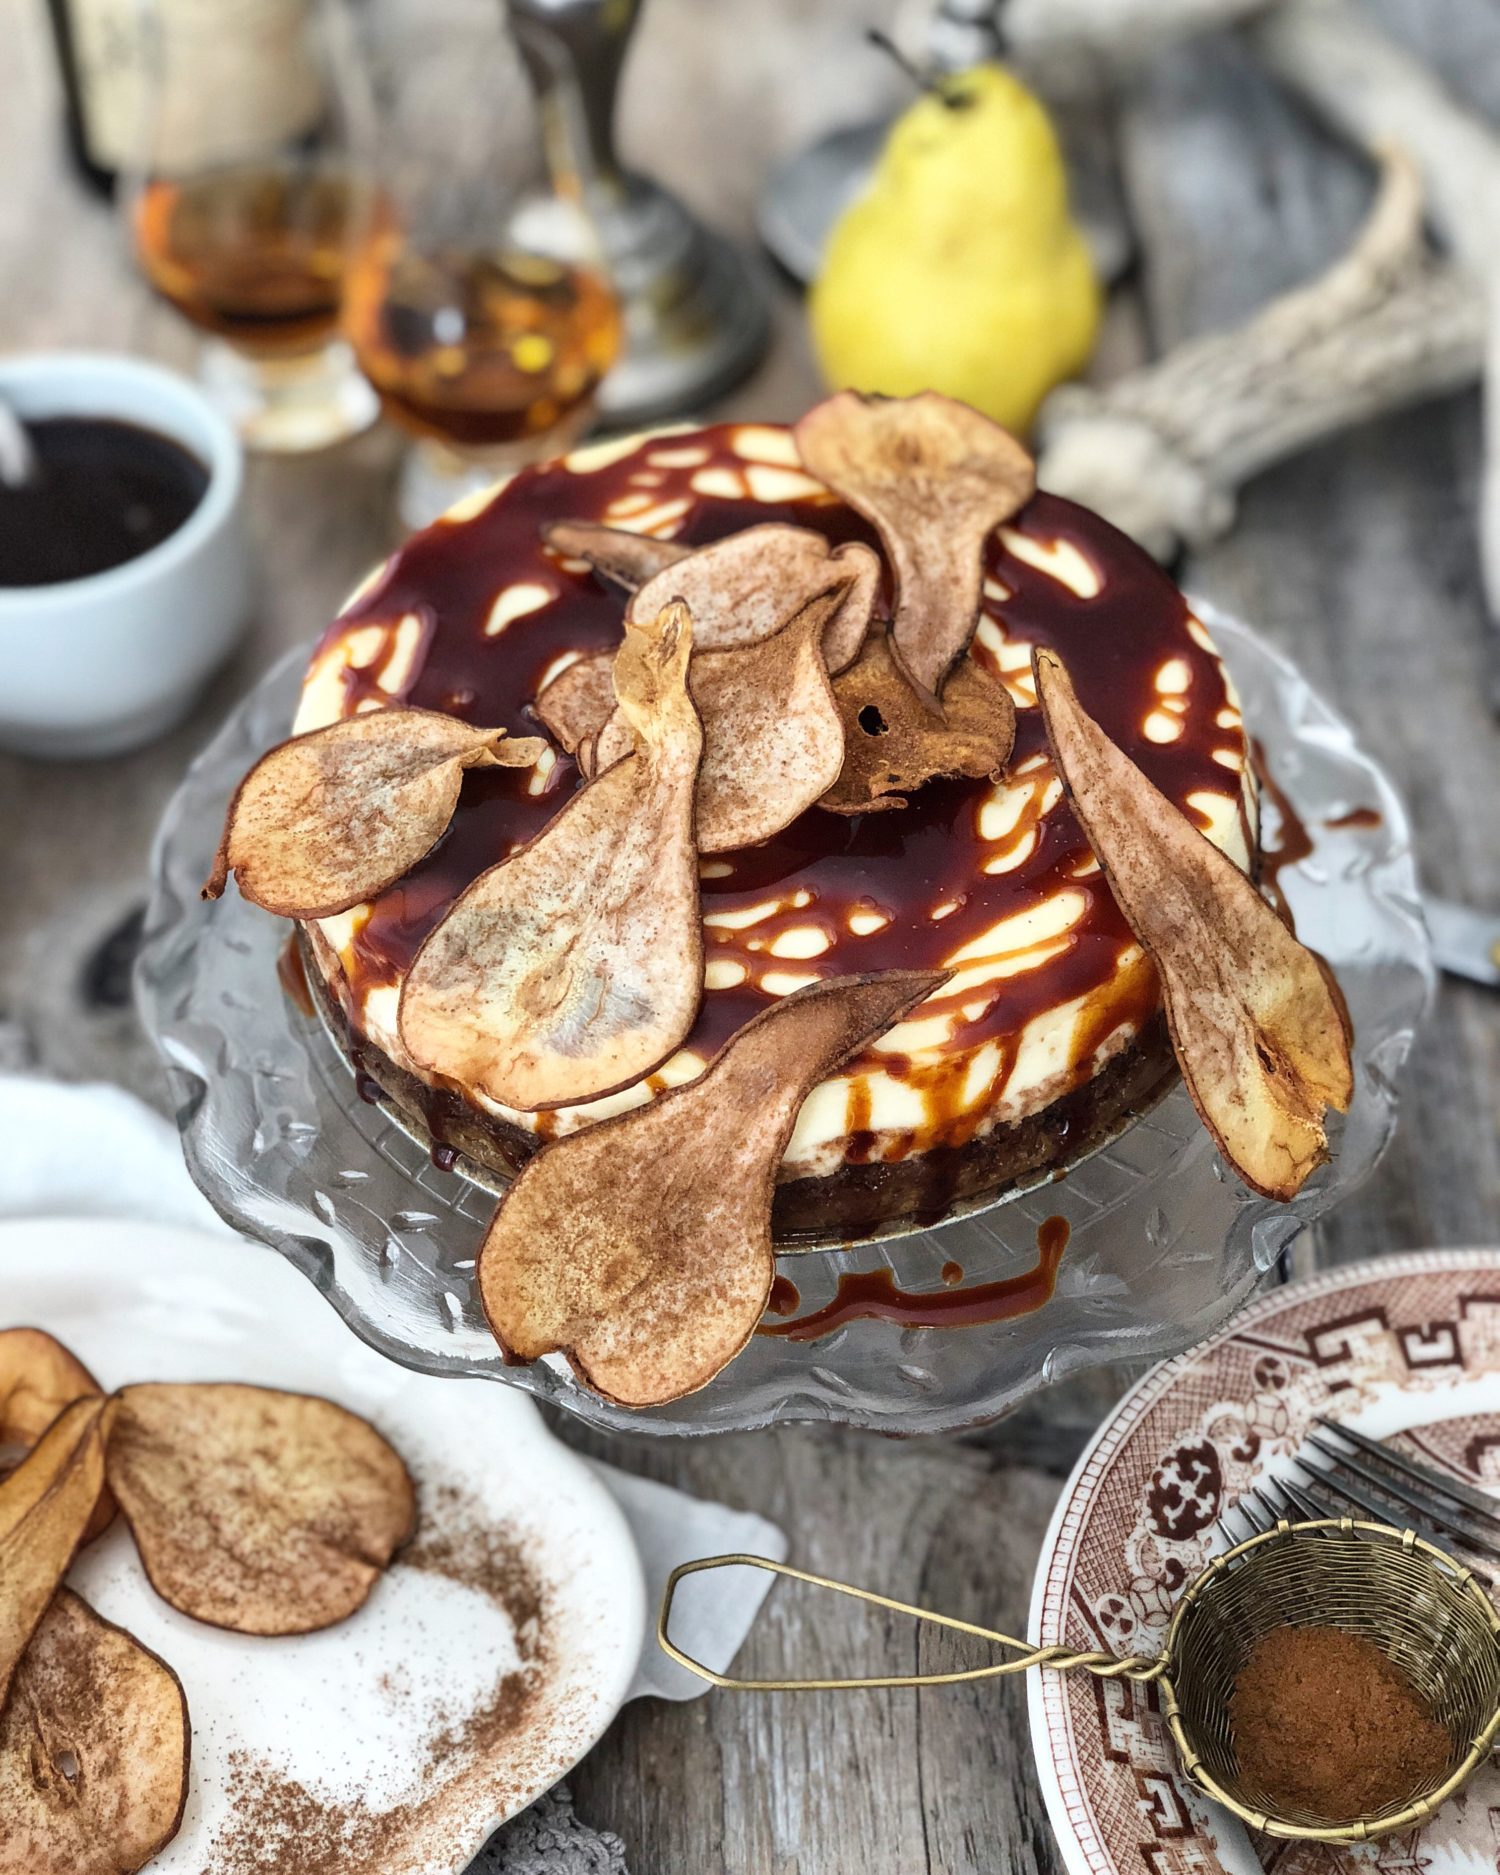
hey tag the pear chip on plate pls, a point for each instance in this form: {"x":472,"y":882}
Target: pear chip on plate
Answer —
{"x":45,"y":1507}
{"x":256,"y":1510}
{"x":94,"y":1749}
{"x":38,"y":1378}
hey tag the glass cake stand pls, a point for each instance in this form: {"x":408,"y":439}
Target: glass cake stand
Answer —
{"x":1164,"y":1242}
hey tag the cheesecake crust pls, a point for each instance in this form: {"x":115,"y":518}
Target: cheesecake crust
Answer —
{"x":859,"y":1200}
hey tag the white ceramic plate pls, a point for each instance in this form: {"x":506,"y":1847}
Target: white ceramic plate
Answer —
{"x":1405,"y":1349}
{"x":400,"y":1727}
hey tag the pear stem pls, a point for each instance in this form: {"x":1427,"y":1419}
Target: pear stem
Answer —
{"x":934,"y":86}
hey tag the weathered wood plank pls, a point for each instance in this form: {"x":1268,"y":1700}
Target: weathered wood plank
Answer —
{"x":1359,"y":558}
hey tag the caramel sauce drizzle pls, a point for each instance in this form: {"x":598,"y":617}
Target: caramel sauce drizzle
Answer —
{"x":873,"y":1295}
{"x":292,"y":975}
{"x":824,"y":868}
{"x":1293,"y":841}
{"x":785,"y":1298}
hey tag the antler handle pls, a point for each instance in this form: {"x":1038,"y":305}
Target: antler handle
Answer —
{"x":1162,"y":450}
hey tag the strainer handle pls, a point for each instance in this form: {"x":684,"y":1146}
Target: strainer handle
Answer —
{"x":1106,"y":1666}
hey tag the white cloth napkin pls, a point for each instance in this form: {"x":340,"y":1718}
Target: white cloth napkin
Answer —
{"x":95,"y":1150}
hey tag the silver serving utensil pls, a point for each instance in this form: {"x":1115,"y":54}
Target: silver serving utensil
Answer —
{"x":1341,"y":1471}
{"x":17,"y":457}
{"x":1465,"y":943}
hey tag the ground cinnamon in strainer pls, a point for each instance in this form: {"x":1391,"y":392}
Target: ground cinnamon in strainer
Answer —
{"x":1323,"y":1723}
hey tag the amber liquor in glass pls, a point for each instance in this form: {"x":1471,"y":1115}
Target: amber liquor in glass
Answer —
{"x":489,"y":355}
{"x":253,"y":256}
{"x":244,"y":205}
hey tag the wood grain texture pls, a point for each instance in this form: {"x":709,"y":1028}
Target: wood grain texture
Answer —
{"x":1359,"y":559}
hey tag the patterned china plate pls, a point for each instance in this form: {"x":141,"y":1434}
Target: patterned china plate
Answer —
{"x":1406,"y":1349}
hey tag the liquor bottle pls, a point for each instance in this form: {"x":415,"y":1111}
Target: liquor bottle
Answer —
{"x":107,"y":52}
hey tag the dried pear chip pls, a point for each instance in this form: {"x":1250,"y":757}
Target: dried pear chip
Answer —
{"x":256,"y":1510}
{"x":94,"y":1746}
{"x":38,"y":1378}
{"x":641,"y":1246}
{"x":1257,"y":1024}
{"x":773,"y":740}
{"x":615,"y":554}
{"x":330,"y":819}
{"x":746,"y":587}
{"x":893,"y":744}
{"x":45,"y":1507}
{"x":934,"y":478}
{"x":576,"y":965}
{"x":579,"y":701}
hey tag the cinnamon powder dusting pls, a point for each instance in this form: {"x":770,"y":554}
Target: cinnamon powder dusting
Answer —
{"x":471,"y":1762}
{"x":1324,"y":1724}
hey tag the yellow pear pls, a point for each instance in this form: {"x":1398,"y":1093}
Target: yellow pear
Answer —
{"x":959,"y":269}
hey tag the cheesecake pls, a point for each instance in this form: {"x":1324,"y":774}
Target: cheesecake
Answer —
{"x":1047,"y":1033}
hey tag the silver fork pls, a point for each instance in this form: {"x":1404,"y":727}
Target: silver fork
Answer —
{"x":1351,"y":1471}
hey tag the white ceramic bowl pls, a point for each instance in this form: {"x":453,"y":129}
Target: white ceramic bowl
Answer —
{"x":98,"y":665}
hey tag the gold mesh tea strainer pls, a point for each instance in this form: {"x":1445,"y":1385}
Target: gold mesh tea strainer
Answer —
{"x":1420,"y":1606}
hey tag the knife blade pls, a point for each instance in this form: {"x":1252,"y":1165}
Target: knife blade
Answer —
{"x":1465,"y":942}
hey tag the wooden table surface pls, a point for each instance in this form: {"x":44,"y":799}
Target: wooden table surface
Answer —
{"x":1359,"y":559}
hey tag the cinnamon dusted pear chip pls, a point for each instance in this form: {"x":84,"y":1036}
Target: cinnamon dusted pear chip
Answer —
{"x":45,"y":1506}
{"x":576,"y":965}
{"x":934,"y":478}
{"x":746,"y":586}
{"x":773,"y":741}
{"x":578,"y":702}
{"x":615,"y":554}
{"x":641,"y":1247}
{"x":94,"y":1746}
{"x":893,"y":744}
{"x":256,"y":1510}
{"x":38,"y":1378}
{"x":1257,"y":1025}
{"x":330,"y":819}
